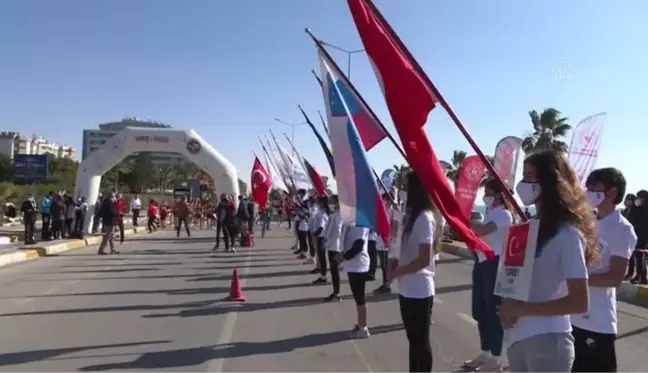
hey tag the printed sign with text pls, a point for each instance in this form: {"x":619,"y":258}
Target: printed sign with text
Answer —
{"x":516,"y":267}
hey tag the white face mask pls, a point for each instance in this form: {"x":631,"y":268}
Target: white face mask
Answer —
{"x":528,"y":192}
{"x":488,"y":201}
{"x":595,"y":198}
{"x":332,"y":207}
{"x":637,"y":202}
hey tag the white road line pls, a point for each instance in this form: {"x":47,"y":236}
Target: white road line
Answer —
{"x":51,"y":290}
{"x":227,"y":331}
{"x":22,"y":301}
{"x":467,"y":318}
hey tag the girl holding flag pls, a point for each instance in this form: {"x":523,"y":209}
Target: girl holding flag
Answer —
{"x":333,"y":235}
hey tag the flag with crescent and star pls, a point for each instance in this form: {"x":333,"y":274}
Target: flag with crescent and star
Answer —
{"x":261,"y":183}
{"x":360,"y":200}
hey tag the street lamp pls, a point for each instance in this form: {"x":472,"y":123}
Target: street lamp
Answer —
{"x":292,"y":130}
{"x":349,"y":53}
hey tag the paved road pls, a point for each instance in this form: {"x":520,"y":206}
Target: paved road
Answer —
{"x":159,"y":306}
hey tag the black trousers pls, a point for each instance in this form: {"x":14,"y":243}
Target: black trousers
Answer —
{"x":45,"y":229}
{"x":358,"y":282}
{"x":312,"y":245}
{"x":485,"y":305}
{"x":120,"y":225}
{"x":136,"y":213}
{"x":637,"y":266}
{"x":321,"y":255}
{"x":335,"y":271}
{"x":221,"y":227}
{"x":79,"y":219}
{"x":416,"y":314}
{"x":594,"y":352}
{"x":29,"y":229}
{"x":68,"y":226}
{"x":57,"y":227}
{"x":302,"y":239}
{"x":178,"y":228}
{"x":373,"y":257}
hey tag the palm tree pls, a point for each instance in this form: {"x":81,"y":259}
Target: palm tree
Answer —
{"x":401,"y":173}
{"x":452,"y":172}
{"x":548,"y":129}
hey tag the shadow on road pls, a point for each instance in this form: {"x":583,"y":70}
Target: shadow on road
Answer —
{"x":16,"y":358}
{"x":201,"y":355}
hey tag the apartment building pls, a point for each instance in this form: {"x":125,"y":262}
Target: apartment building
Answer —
{"x":12,"y":143}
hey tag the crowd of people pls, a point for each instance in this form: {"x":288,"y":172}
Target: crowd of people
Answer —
{"x":584,"y":246}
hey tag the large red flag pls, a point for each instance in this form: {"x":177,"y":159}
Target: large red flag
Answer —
{"x":410,"y":101}
{"x":318,"y":182}
{"x":261,"y":183}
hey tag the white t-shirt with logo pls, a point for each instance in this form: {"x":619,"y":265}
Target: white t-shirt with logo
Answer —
{"x":319,"y":221}
{"x":420,"y":284}
{"x":312,"y":211}
{"x":496,"y":239}
{"x":360,"y":262}
{"x":616,"y":238}
{"x":334,"y":232}
{"x":561,"y":259}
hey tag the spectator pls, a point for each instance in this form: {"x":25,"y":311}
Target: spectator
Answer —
{"x":46,"y":202}
{"x":136,"y":206}
{"x":107,"y":212}
{"x":628,"y":204}
{"x":638,"y":217}
{"x":121,"y":211}
{"x":79,"y":218}
{"x":29,"y":210}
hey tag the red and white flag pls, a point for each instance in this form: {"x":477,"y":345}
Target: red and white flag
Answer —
{"x":261,"y":183}
{"x":470,"y":176}
{"x":507,"y":156}
{"x":410,"y":100}
{"x":585,"y":145}
{"x":515,"y":270}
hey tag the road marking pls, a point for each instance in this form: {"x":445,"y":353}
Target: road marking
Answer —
{"x":467,"y":318}
{"x":23,"y":301}
{"x":227,"y":331}
{"x":437,"y":300}
{"x":52,"y":290}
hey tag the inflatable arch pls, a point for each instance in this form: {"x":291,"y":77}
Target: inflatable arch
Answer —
{"x":132,"y":139}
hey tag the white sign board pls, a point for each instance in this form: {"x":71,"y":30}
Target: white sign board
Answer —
{"x":516,"y":267}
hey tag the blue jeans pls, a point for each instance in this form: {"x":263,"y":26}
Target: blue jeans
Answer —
{"x":485,"y":305}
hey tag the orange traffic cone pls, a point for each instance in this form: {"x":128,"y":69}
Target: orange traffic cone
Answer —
{"x":236,"y":292}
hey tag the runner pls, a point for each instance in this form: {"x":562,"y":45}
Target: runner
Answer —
{"x":539,"y":331}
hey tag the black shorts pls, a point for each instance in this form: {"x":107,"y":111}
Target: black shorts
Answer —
{"x":357,"y":282}
{"x":594,"y":352}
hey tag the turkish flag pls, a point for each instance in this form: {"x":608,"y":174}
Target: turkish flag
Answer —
{"x":409,"y":101}
{"x":261,"y":183}
{"x":516,"y":245}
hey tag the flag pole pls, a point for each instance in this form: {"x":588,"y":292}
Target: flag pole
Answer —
{"x":355,"y":91}
{"x":378,"y":180}
{"x":292,"y":181}
{"x":437,"y":95}
{"x":324,"y":124}
{"x":299,"y":157}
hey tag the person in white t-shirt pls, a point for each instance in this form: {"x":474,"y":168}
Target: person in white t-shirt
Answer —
{"x":382,"y":250}
{"x":356,"y":263}
{"x":334,"y":233}
{"x":485,"y":303}
{"x":595,"y":331}
{"x":318,"y":227}
{"x":312,"y":245}
{"x":135,"y":207}
{"x":415,"y":269}
{"x":538,"y":331}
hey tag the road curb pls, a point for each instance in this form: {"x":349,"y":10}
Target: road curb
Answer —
{"x":24,"y":254}
{"x":627,"y":292}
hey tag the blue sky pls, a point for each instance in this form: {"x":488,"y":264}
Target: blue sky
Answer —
{"x":227,"y":68}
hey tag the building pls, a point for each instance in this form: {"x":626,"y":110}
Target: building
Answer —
{"x":12,"y":143}
{"x":94,"y":139}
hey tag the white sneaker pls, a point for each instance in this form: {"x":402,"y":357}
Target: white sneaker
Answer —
{"x":477,"y":362}
{"x":360,"y":332}
{"x":491,"y":365}
{"x":309,"y":261}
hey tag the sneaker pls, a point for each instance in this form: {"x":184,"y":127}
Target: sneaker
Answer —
{"x":301,"y":257}
{"x":320,"y":280}
{"x":371,"y":277}
{"x":382,"y":289}
{"x":360,"y":332}
{"x":332,"y":297}
{"x":477,"y":362}
{"x":491,"y":365}
{"x":310,"y":261}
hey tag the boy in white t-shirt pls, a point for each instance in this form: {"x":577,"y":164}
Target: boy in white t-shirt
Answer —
{"x":595,"y":331}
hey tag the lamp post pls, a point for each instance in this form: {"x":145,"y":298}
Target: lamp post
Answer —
{"x":348,"y":52}
{"x":292,"y":129}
